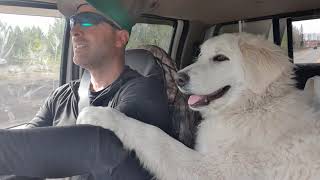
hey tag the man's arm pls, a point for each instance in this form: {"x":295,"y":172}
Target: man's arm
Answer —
{"x":60,"y":108}
{"x":43,"y":118}
{"x":45,"y":115}
{"x":56,"y":152}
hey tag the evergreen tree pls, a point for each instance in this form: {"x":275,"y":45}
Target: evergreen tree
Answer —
{"x":7,"y":40}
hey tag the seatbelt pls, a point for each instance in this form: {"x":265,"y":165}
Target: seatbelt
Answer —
{"x":83,"y":91}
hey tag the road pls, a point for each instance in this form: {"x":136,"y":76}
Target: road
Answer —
{"x":309,"y":55}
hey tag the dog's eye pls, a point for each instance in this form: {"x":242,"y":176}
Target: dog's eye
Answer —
{"x":220,"y":58}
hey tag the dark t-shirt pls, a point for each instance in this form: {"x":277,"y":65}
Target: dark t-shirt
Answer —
{"x":139,"y":97}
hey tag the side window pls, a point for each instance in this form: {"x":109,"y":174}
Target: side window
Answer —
{"x":151,"y":34}
{"x":30,"y":58}
{"x":306,"y":41}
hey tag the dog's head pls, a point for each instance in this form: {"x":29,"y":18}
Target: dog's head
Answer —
{"x":230,"y":67}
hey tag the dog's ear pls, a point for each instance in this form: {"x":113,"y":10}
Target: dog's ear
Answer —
{"x":262,"y":63}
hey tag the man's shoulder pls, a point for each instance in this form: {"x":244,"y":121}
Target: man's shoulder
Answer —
{"x":134,"y":80}
{"x":141,"y":90}
{"x":143,"y":83}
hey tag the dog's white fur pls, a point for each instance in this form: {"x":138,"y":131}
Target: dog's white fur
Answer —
{"x":261,"y":129}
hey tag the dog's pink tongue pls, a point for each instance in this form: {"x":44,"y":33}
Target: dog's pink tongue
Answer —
{"x":193,"y":99}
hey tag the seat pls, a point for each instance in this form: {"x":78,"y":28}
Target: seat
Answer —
{"x":308,"y":79}
{"x":184,"y":121}
{"x":305,"y":71}
{"x":312,"y":91}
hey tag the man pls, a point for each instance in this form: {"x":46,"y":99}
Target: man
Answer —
{"x":100,"y":31}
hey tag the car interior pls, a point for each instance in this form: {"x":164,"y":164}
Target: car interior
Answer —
{"x":178,"y":27}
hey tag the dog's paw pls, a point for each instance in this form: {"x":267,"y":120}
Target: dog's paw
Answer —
{"x":104,"y":117}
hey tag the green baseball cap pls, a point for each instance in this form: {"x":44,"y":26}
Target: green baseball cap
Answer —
{"x":114,"y":10}
{"x":122,"y":12}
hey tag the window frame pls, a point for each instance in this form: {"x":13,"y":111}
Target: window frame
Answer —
{"x":33,"y":4}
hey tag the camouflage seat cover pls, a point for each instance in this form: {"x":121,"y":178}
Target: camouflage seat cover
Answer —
{"x":184,"y":121}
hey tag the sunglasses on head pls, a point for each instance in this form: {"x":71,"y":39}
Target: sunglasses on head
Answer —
{"x":89,"y":19}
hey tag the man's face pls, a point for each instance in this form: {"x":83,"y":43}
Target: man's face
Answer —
{"x":94,"y":45}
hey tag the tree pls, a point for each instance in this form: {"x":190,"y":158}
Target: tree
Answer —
{"x":297,"y":37}
{"x":55,"y":38}
{"x":142,"y":34}
{"x":301,"y":36}
{"x":19,"y":49}
{"x":31,"y":45}
{"x":7,"y":41}
{"x":35,"y":45}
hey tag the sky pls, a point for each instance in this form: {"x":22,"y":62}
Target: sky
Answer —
{"x":309,"y":26}
{"x":27,"y":21}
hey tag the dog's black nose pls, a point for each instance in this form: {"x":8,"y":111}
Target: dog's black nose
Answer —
{"x":182,"y":79}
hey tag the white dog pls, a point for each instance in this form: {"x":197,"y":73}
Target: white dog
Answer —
{"x":256,"y":125}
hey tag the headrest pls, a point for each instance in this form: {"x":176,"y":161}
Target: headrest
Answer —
{"x":144,"y":62}
{"x":312,"y":91}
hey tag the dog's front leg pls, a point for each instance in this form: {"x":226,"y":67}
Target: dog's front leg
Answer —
{"x":164,"y":156}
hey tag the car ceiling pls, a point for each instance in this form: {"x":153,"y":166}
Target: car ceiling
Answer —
{"x":214,"y":11}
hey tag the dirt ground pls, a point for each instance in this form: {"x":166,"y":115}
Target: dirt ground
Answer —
{"x":22,"y":93}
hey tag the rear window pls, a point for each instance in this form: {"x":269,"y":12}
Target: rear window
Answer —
{"x":151,"y":34}
{"x":262,"y":28}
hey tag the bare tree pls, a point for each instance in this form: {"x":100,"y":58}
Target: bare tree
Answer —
{"x":6,"y":40}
